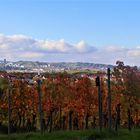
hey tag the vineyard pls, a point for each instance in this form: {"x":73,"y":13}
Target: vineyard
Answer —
{"x":63,"y":101}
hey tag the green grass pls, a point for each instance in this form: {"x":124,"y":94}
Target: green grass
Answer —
{"x":83,"y":71}
{"x":122,"y":134}
{"x":126,"y":135}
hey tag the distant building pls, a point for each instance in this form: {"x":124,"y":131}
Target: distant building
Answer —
{"x":4,"y":64}
{"x":4,"y":61}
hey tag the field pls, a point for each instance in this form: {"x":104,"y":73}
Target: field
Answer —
{"x":91,"y":134}
{"x":82,"y":71}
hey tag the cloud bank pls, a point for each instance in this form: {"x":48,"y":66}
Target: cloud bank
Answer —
{"x":21,"y":47}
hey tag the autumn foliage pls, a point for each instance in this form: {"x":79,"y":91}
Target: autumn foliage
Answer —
{"x":71,"y":102}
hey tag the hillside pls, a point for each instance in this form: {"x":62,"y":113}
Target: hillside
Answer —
{"x":50,"y":66}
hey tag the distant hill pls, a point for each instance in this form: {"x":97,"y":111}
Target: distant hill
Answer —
{"x":30,"y":65}
{"x":66,"y":65}
{"x":80,"y":65}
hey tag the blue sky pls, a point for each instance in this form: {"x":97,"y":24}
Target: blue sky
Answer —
{"x":71,"y":30}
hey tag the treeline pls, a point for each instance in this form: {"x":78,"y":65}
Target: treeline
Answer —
{"x":66,"y":102}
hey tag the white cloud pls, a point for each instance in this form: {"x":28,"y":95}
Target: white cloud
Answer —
{"x":31,"y":55}
{"x":25,"y":43}
{"x":134,"y":53}
{"x":113,"y":49}
{"x":109,"y":55}
{"x":59,"y":46}
{"x":3,"y":46}
{"x":20,"y":47}
{"x":83,"y":47}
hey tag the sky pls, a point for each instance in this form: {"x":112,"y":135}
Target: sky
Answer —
{"x":96,"y":31}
